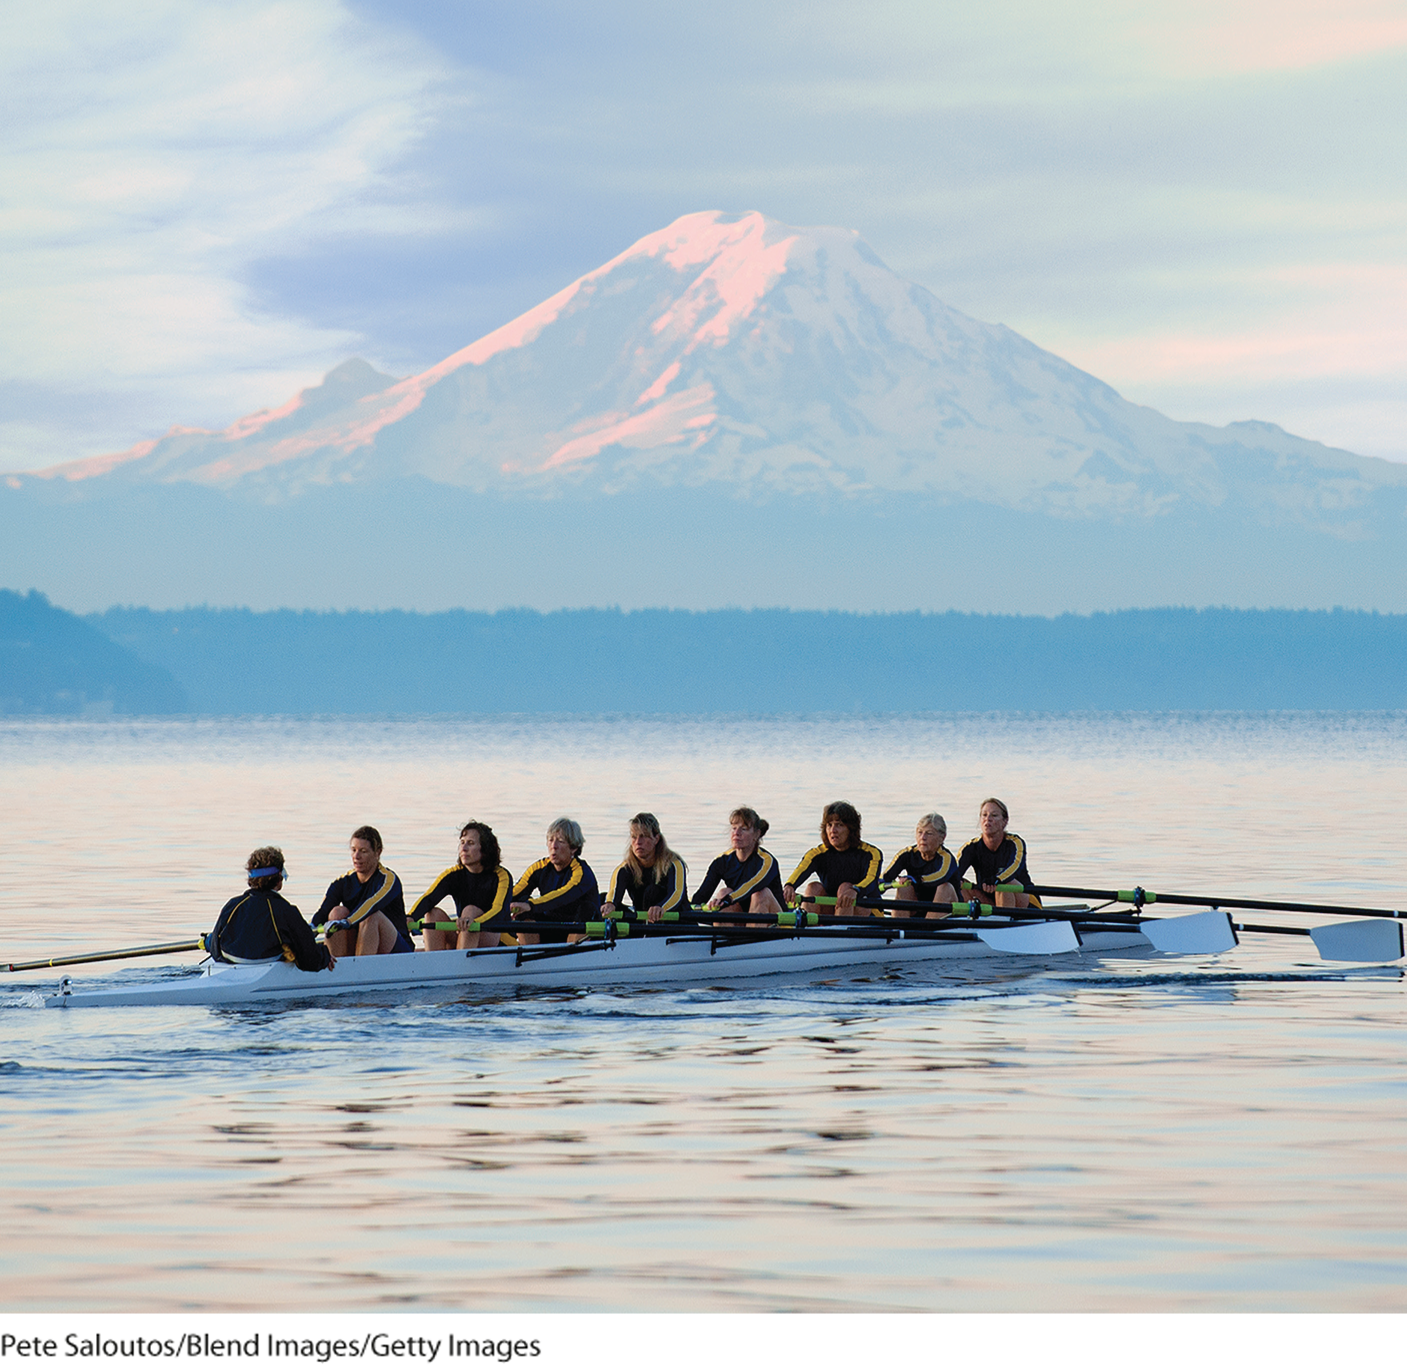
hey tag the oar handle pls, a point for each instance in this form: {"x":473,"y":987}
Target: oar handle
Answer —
{"x":59,"y":961}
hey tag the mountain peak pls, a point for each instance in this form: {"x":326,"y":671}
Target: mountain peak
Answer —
{"x":735,"y":352}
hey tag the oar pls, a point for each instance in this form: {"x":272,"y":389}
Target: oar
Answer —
{"x":1366,"y":942}
{"x":1141,"y":897}
{"x":137,"y":952}
{"x":1044,"y":938}
{"x":1203,"y":933}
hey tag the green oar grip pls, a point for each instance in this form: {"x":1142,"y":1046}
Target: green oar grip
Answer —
{"x":1136,"y":895}
{"x":598,"y":928}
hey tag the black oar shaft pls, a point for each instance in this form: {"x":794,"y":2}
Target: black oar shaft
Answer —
{"x":59,"y":961}
{"x":1142,"y":897}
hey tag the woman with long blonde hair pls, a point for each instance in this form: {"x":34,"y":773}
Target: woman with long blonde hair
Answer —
{"x":651,"y":875}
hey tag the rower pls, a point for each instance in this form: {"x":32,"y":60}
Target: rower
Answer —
{"x":564,"y":883}
{"x":997,"y":856}
{"x":927,"y":870}
{"x":843,"y":865}
{"x":479,"y":885}
{"x":368,"y":898}
{"x":262,"y":927}
{"x":651,"y":875}
{"x":745,"y":874}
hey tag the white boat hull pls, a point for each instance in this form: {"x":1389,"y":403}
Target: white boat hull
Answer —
{"x":652,"y":961}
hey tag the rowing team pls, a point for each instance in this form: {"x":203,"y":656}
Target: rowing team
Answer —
{"x":364,"y":911}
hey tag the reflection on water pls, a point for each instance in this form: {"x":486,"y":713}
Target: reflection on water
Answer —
{"x":1116,"y":1134}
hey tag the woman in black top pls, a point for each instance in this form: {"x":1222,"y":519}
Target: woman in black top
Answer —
{"x":368,"y":900}
{"x":479,"y":885}
{"x":927,"y":870}
{"x":564,"y":884}
{"x":997,"y":856}
{"x":744,"y":876}
{"x":261,"y":927}
{"x":651,"y":875}
{"x":843,"y":866}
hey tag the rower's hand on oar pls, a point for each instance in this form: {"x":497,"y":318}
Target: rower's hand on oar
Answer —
{"x":517,"y":910}
{"x":654,"y":914}
{"x":845,"y":899}
{"x":719,"y":898}
{"x":788,"y":895}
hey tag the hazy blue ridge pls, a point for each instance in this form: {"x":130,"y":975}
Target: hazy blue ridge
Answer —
{"x":768,"y":660}
{"x":54,"y":662}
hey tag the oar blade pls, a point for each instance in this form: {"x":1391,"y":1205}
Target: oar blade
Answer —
{"x":1201,"y":933}
{"x":1040,"y":938}
{"x":1368,"y":942}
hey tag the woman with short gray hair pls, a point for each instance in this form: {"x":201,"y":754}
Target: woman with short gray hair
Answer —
{"x":927,"y":870}
{"x":564,"y":884}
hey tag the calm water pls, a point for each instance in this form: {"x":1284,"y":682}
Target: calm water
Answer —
{"x":1074,"y":1134}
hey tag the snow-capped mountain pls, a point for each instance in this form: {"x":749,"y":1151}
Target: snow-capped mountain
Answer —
{"x":735,"y":354}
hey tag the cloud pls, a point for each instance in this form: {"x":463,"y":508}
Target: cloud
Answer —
{"x":154,"y":149}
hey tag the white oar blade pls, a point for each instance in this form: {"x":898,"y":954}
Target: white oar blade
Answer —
{"x":1040,"y":938}
{"x":1200,"y":933}
{"x":1372,"y":942}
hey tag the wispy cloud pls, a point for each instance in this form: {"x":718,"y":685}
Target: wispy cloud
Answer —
{"x":152,"y":150}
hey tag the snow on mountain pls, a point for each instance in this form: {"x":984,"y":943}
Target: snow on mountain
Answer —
{"x":731,"y":352}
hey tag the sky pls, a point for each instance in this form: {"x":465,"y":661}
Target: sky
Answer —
{"x":204,"y":208}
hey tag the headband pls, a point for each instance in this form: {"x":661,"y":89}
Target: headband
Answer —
{"x":264,"y":873}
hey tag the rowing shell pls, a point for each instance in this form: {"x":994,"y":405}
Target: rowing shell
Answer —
{"x":655,"y":960}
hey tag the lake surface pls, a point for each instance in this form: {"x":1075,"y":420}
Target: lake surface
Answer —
{"x":1076,"y":1133}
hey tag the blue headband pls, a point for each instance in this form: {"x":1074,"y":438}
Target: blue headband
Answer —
{"x":264,"y":873}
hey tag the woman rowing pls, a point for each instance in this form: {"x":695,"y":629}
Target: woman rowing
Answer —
{"x":368,"y":900}
{"x":651,"y":875}
{"x":843,"y":866}
{"x":564,"y":884}
{"x":927,"y":870}
{"x":997,"y":856}
{"x":262,"y":927}
{"x":479,"y":886}
{"x":745,"y":875}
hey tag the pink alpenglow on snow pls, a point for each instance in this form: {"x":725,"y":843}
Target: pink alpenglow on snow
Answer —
{"x":743,"y":268}
{"x":684,"y":417}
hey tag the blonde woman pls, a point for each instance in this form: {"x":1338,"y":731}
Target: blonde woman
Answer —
{"x":997,"y":856}
{"x":651,"y":875}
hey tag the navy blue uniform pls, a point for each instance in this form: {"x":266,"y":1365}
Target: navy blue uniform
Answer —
{"x":744,"y":877}
{"x":667,"y":893}
{"x":380,"y":893}
{"x":262,"y":925}
{"x":563,"y":895}
{"x":1004,"y":865}
{"x":487,"y":890}
{"x":859,"y":866}
{"x":925,"y":875}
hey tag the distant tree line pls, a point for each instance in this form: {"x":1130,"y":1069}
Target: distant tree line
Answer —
{"x":763,"y":661}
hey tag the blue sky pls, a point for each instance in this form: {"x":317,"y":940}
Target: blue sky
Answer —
{"x":206,"y":207}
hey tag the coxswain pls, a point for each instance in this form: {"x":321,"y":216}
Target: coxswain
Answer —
{"x":368,"y":898}
{"x":479,"y":886}
{"x":651,"y":876}
{"x":745,"y":875}
{"x":262,"y":927}
{"x":927,"y":870}
{"x":997,"y":856}
{"x":564,"y":884}
{"x":843,"y":866}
